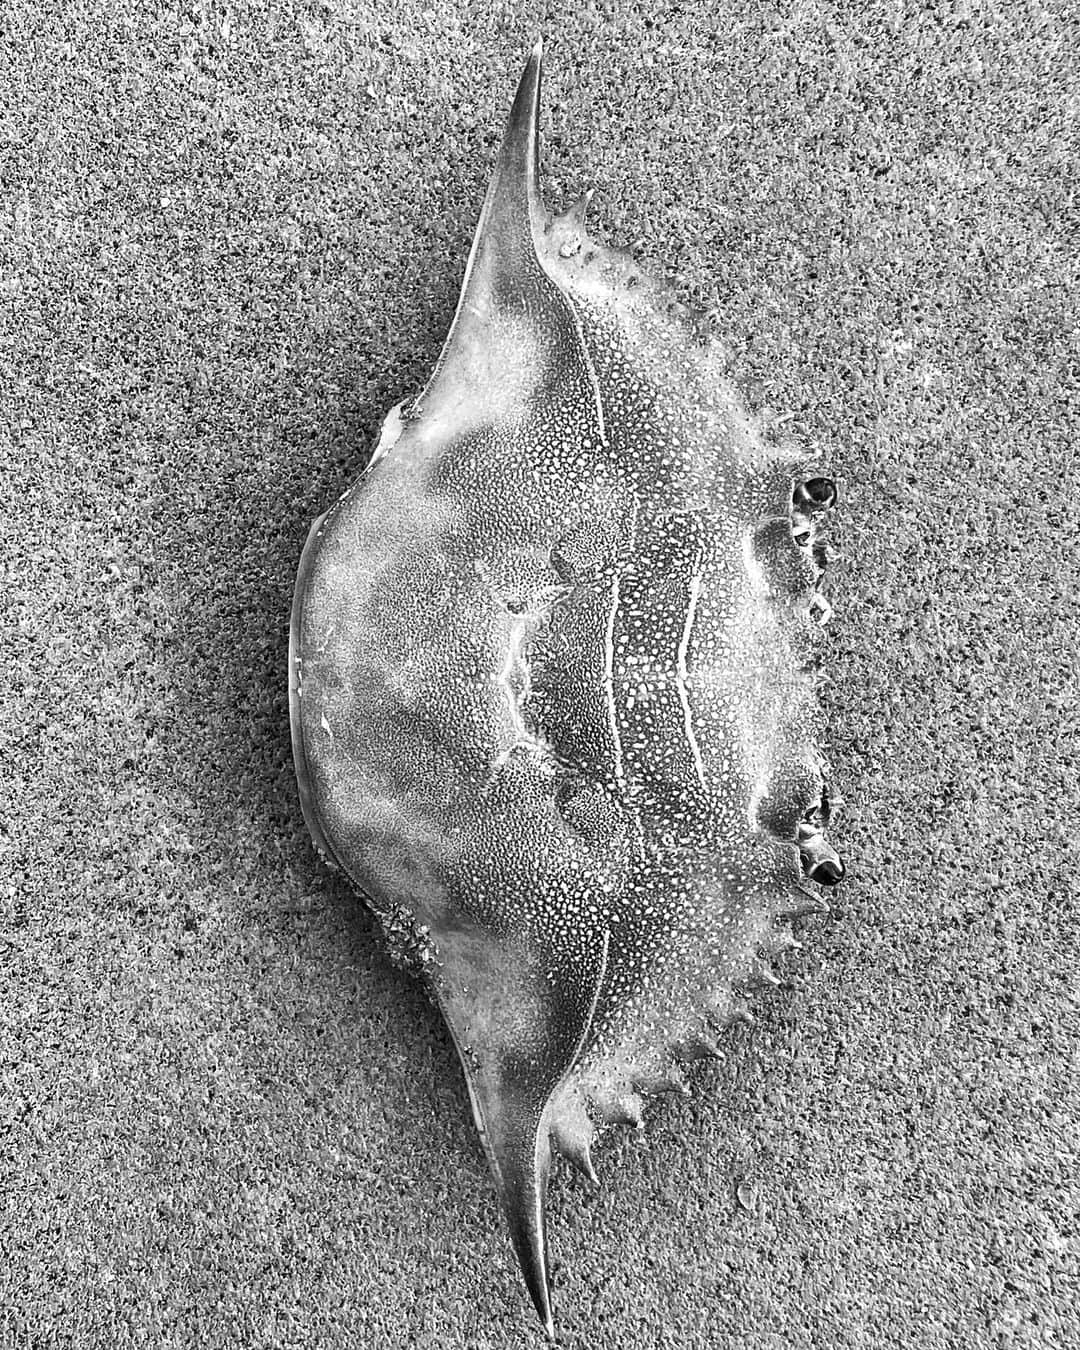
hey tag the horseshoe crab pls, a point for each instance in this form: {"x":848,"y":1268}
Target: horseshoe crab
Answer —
{"x":552,"y":688}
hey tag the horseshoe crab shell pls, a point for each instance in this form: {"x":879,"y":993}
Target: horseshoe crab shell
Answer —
{"x":551,"y":688}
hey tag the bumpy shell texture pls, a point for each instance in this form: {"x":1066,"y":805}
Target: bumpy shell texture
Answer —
{"x":552,"y":691}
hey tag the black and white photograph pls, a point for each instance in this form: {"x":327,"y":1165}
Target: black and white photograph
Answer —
{"x":541,"y":675}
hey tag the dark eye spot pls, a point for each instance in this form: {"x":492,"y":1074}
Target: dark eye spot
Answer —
{"x":821,"y":491}
{"x":827,"y":872}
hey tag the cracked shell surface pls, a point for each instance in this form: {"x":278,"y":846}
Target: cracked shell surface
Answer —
{"x":552,"y":687}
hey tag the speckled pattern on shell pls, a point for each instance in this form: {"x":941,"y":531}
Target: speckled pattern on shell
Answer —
{"x":553,"y":688}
